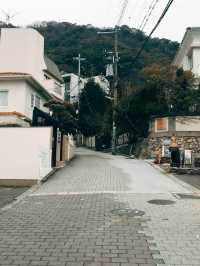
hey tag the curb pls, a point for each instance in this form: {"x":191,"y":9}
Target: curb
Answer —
{"x":174,"y":178}
{"x":20,"y":198}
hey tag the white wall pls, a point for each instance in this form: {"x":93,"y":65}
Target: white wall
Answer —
{"x":19,"y":97}
{"x":25,"y":153}
{"x":74,"y":90}
{"x":188,"y":123}
{"x":55,"y":88}
{"x":28,"y":109}
{"x":196,"y":61}
{"x":22,"y":50}
{"x":190,"y":47}
{"x":16,"y":96}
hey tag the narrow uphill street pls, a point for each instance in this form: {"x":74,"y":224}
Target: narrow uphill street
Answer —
{"x":96,"y":211}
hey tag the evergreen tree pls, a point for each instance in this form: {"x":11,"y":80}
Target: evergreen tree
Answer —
{"x":93,"y":107}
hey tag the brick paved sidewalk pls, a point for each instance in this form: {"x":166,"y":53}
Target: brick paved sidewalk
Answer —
{"x":70,"y":220}
{"x":72,"y":230}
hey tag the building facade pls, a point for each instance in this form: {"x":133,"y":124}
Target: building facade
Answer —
{"x":188,"y":55}
{"x":73,"y":87}
{"x":28,"y":78}
{"x":186,"y":130}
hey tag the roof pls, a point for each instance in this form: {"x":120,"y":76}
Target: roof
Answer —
{"x":174,"y":115}
{"x":52,"y":69}
{"x":189,"y":31}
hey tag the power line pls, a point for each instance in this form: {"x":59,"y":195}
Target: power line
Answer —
{"x":116,"y":59}
{"x":170,"y":2}
{"x":148,"y":14}
{"x":137,"y":7}
{"x":124,"y":6}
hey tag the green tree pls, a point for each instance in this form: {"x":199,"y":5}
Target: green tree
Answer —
{"x":64,"y":40}
{"x":93,"y":108}
{"x":183,"y":95}
{"x":165,"y":90}
{"x":65,"y":115}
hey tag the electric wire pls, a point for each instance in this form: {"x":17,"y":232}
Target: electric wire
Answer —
{"x":170,"y":2}
{"x":141,"y":8}
{"x":123,"y":10}
{"x":148,"y":14}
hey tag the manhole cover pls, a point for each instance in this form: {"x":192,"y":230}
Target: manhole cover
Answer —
{"x":128,"y":212}
{"x":161,"y":202}
{"x":188,"y":196}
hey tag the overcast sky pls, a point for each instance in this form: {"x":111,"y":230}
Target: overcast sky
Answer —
{"x":182,"y":14}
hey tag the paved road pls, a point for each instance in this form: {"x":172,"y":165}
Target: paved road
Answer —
{"x":96,"y":211}
{"x":94,"y":172}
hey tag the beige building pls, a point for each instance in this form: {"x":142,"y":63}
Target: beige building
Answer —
{"x":188,"y":55}
{"x":28,"y":78}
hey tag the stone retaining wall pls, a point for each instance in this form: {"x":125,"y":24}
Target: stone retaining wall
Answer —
{"x":188,"y":142}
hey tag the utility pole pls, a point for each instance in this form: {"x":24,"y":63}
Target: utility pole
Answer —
{"x":79,"y":59}
{"x":115,"y":62}
{"x":115,"y":94}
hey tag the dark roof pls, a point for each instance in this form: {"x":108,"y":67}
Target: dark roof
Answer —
{"x":175,"y":115}
{"x":52,"y":69}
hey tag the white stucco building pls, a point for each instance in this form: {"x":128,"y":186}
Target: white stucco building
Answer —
{"x":27,"y":77}
{"x":188,"y":56}
{"x":102,"y":81}
{"x":72,"y":88}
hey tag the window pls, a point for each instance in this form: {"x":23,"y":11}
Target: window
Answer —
{"x":3,"y":98}
{"x":37,"y":101}
{"x":32,"y":100}
{"x":190,"y":62}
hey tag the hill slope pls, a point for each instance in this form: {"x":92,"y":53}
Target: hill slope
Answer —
{"x":66,"y":40}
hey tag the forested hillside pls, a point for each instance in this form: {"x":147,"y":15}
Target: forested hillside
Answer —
{"x":64,"y":40}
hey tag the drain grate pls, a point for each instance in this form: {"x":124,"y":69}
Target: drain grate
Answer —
{"x":161,"y":202}
{"x":188,"y":196}
{"x":128,"y":212}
